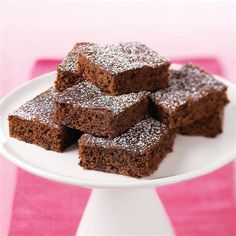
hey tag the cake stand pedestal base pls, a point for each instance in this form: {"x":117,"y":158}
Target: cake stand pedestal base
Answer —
{"x":125,"y":212}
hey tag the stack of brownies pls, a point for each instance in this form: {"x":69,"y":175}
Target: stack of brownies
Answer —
{"x":124,"y":104}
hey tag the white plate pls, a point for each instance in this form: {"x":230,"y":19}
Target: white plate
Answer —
{"x":192,"y":156}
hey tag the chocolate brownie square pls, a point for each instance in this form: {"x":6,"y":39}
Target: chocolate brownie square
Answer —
{"x":124,"y":67}
{"x":193,"y":95}
{"x":208,"y":127}
{"x":85,"y":107}
{"x":136,"y":153}
{"x":68,"y":73}
{"x":34,"y":123}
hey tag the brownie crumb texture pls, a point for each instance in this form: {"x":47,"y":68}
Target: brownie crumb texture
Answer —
{"x":138,"y":152}
{"x":208,"y":127}
{"x":85,"y":107}
{"x":34,"y":123}
{"x":124,"y":67}
{"x":68,"y":71}
{"x":193,"y":95}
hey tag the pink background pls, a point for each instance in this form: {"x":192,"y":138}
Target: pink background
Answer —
{"x":31,"y":30}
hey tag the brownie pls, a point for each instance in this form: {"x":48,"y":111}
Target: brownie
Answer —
{"x":34,"y":123}
{"x":85,"y":107}
{"x":68,"y":73}
{"x":208,"y":127}
{"x":123,"y":67}
{"x":193,"y":95}
{"x":137,"y":152}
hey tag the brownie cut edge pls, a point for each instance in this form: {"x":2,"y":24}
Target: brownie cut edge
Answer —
{"x":207,"y":127}
{"x":85,"y":107}
{"x":124,"y":67}
{"x":193,"y":95}
{"x":136,"y":153}
{"x":68,"y":71}
{"x":34,"y":123}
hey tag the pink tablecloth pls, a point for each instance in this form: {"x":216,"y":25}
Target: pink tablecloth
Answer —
{"x":201,"y":207}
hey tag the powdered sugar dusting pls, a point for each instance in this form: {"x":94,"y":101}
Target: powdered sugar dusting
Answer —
{"x":120,"y":57}
{"x":137,"y":139}
{"x":87,"y":95}
{"x":41,"y":108}
{"x":69,"y":64}
{"x":188,"y":83}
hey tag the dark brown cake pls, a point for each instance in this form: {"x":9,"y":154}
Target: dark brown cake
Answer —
{"x":85,"y":107}
{"x":124,"y":67}
{"x":137,"y":153}
{"x":68,"y":73}
{"x":33,"y":123}
{"x":208,"y":127}
{"x":193,"y":95}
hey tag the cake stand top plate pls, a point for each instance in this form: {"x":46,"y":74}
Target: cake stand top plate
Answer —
{"x":192,"y":156}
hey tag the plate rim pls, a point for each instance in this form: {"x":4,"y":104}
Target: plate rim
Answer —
{"x":140,"y":183}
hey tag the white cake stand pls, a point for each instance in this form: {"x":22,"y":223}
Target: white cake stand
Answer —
{"x":119,"y":205}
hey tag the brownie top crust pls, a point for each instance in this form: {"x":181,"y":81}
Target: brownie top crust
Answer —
{"x":121,"y":57}
{"x":188,"y":83}
{"x":87,"y":95}
{"x":69,"y":64}
{"x":137,"y":139}
{"x":41,"y":108}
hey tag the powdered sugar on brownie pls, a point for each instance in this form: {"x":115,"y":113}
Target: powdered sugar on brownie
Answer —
{"x":121,"y":57}
{"x":69,"y":64}
{"x":41,"y":108}
{"x":188,"y":83}
{"x":137,"y":139}
{"x":87,"y":95}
